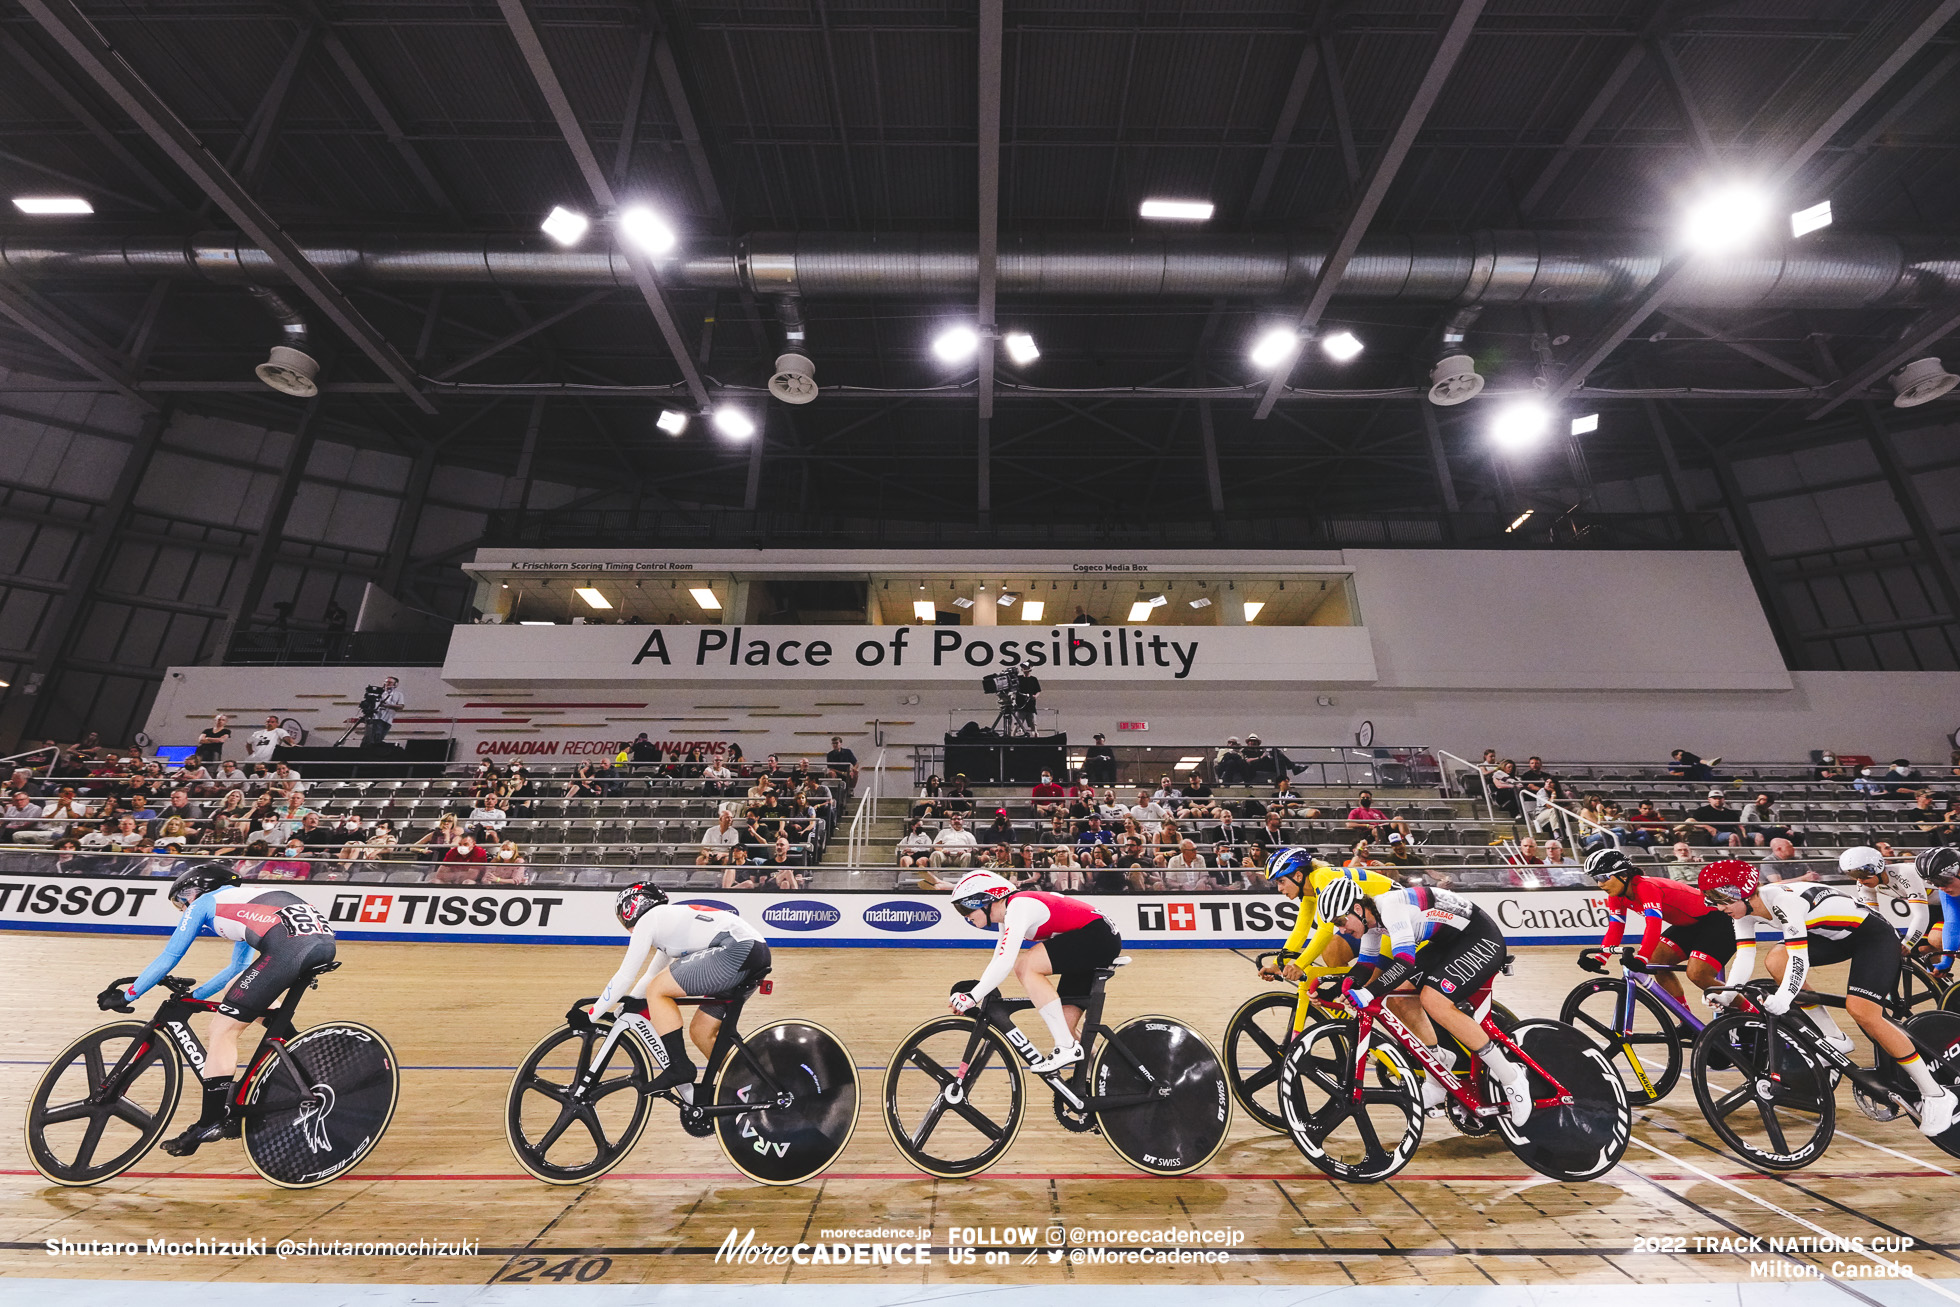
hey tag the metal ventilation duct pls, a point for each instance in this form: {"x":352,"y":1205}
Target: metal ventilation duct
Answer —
{"x":1829,"y":270}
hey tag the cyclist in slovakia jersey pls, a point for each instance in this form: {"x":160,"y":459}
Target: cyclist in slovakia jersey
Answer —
{"x":1883,"y":885}
{"x":1069,"y":939}
{"x":1449,"y":949}
{"x":1678,"y":923}
{"x":1300,"y":876}
{"x":289,"y":937}
{"x":1821,"y":925}
{"x":697,"y":950}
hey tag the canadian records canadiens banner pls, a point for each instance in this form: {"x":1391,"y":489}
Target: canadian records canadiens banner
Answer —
{"x":538,"y":915}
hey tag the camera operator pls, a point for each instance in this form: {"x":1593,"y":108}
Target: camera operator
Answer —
{"x":379,"y":707}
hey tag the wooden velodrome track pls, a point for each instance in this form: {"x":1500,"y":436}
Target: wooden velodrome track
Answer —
{"x":462,"y":1015}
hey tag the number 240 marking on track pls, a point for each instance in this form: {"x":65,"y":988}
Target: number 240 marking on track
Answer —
{"x":527,"y":1270}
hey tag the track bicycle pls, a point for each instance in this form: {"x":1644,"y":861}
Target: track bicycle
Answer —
{"x":1632,"y":1014}
{"x":1355,"y":1111}
{"x":783,"y":1101}
{"x":309,"y":1105}
{"x":1767,"y":1084}
{"x":1152,"y":1087}
{"x":1259,"y":1033}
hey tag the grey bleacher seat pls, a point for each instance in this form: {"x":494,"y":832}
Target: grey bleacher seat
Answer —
{"x":618,"y":855}
{"x":550,"y":875}
{"x":626,"y":876}
{"x":592,"y":877}
{"x":1472,"y":836}
{"x":577,"y":832}
{"x":407,"y":876}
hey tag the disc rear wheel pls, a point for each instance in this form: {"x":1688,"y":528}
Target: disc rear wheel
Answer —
{"x":1189,"y":1110}
{"x":787,"y":1142}
{"x":314,"y":1108}
{"x":1580,"y":1140}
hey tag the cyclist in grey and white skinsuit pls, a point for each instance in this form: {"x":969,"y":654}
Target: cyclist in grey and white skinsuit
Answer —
{"x":696,"y":950}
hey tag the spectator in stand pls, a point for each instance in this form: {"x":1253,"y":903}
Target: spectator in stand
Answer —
{"x":20,"y":814}
{"x":1083,"y":804}
{"x":1197,"y":797}
{"x":1947,"y":829}
{"x":1093,"y":833}
{"x":1539,"y":800}
{"x":381,"y":841}
{"x":267,"y":740}
{"x":64,"y":811}
{"x":955,"y":845}
{"x":1290,"y":803}
{"x":1227,"y":832}
{"x":716,"y":778}
{"x":1556,"y":856}
{"x":462,"y":862}
{"x":211,"y":740}
{"x":1364,"y":819}
{"x":1782,"y":864}
{"x":1229,"y":764}
{"x":997,"y":857}
{"x":1760,"y":824}
{"x":1269,"y":836}
{"x":1400,"y":852}
{"x":98,"y":839}
{"x":1720,"y":823}
{"x":1099,"y":762}
{"x":315,"y":838}
{"x":288,"y":863}
{"x":1504,"y":790}
{"x":1187,"y":871}
{"x":930,"y":795}
{"x":1923,"y":815}
{"x":958,"y":796}
{"x":1261,"y":764}
{"x":1048,"y":797}
{"x":643,"y":752}
{"x":519,"y":790}
{"x":1059,"y":831}
{"x":229,"y":777}
{"x":1526,"y":854}
{"x":506,"y":866}
{"x":441,"y":837}
{"x":1168,"y":794}
{"x":1167,"y":839}
{"x":585,"y":783}
{"x":779,"y":868}
{"x":489,"y":815}
{"x":843,"y":764}
{"x":718,"y":841}
{"x":1000,"y":830}
{"x":1689,"y":767}
{"x":1684,"y":863}
{"x":180,"y":805}
{"x":915,"y":849}
{"x":1645,"y":825}
{"x":1147,"y":811}
{"x":1112,"y":810}
{"x":1361,"y":854}
{"x":1901,"y":781}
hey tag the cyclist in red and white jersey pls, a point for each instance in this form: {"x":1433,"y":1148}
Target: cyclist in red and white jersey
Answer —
{"x":1070,"y":941}
{"x":1679,"y":923}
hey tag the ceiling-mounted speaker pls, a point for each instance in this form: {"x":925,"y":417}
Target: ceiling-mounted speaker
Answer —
{"x":1454,"y":380}
{"x":795,"y":379}
{"x":290,"y":372}
{"x":1921,"y":382}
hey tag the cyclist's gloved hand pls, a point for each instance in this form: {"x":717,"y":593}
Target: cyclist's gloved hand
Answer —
{"x":114,"y":999}
{"x":1777,"y":1003}
{"x":637,"y":1006}
{"x":1359,"y":999}
{"x":1592,"y":959}
{"x":1724,"y":999}
{"x":577,"y":1018}
{"x":1329,"y":989}
{"x":962,"y":1003}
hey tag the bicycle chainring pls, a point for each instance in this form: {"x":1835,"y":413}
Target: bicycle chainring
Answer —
{"x":1079,"y":1121}
{"x":695,"y":1121}
{"x":1883,"y":1109}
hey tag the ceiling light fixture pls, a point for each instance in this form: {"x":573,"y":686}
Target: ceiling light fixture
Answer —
{"x":1020,"y":347}
{"x":1008,"y":600}
{"x":43,"y":206}
{"x":537,"y":623}
{"x":1726,"y":218}
{"x":565,"y":226}
{"x":1158,"y":601}
{"x":592,"y":597}
{"x":1201,"y":603}
{"x":923,"y":610}
{"x":1140,"y":610}
{"x":734,"y":423}
{"x":1177,"y":210}
{"x":705,"y":598}
{"x":1252,"y":607}
{"x":1520,"y":424}
{"x":955,"y":344}
{"x":647,"y":230}
{"x":1031,"y":610}
{"x":1341,"y":346}
{"x":1585,"y":425}
{"x":962,"y":602}
{"x":1519,"y":520}
{"x":672,"y":421}
{"x":1274,"y":348}
{"x":1815,"y":218}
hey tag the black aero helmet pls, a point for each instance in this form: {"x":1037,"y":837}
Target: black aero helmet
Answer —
{"x":1938,"y":865}
{"x":636,"y":900}
{"x":201,"y":880}
{"x":1604,"y":864}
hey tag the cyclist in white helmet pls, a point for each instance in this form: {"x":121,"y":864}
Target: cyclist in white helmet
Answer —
{"x":1896,"y":890}
{"x":1070,"y":941}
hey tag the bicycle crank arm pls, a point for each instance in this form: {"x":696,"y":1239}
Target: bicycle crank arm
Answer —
{"x":1120,"y":1100}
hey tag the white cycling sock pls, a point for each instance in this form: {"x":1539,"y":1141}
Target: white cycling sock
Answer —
{"x":1915,"y":1067}
{"x":1051,"y":1012}
{"x":1822,"y":1017}
{"x":1501,"y":1067}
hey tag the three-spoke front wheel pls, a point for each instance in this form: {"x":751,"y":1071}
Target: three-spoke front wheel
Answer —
{"x":953,"y":1097}
{"x":79,"y":1135}
{"x":569,"y":1120}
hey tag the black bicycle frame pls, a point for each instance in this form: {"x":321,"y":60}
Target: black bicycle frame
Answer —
{"x":728,"y":1041}
{"x":1812,"y":1039}
{"x":998,"y":1012}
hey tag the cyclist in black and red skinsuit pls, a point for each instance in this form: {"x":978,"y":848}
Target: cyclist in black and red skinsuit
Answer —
{"x":289,"y":937}
{"x":1070,"y":941}
{"x":1679,"y":923}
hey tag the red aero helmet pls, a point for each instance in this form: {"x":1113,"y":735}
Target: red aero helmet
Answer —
{"x":1727,"y":881}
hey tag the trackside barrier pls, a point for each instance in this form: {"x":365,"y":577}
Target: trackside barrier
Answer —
{"x":540,"y":915}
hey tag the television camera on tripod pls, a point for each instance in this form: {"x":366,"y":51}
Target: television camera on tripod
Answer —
{"x":1016,"y":688}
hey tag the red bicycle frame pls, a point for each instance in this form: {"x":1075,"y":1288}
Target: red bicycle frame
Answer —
{"x":1467,"y":1094}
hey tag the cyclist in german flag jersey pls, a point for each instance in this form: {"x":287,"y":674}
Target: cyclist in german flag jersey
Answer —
{"x":1821,"y":925}
{"x":1069,"y":939}
{"x":288,"y":935}
{"x":1678,"y":923}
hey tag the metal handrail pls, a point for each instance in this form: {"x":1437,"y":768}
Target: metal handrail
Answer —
{"x":1477,"y":770}
{"x":859,"y":834}
{"x":52,"y":750}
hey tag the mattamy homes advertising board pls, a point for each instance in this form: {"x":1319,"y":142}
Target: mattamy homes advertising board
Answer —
{"x":541,"y":915}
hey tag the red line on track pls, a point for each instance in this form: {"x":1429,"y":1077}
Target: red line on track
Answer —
{"x":992,"y":1175}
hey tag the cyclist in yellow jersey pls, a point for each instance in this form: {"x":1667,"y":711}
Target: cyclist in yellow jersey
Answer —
{"x":1300,"y":876}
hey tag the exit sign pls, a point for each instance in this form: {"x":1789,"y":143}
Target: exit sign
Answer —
{"x":1133,"y":726}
